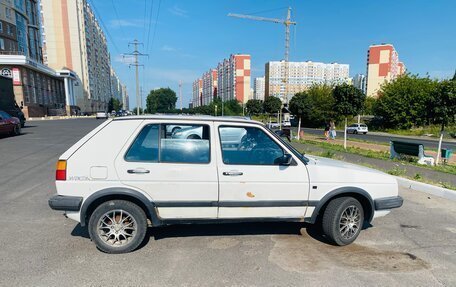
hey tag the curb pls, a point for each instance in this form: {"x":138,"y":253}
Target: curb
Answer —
{"x":427,"y":188}
{"x":59,"y":118}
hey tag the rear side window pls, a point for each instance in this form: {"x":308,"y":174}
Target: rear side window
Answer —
{"x":172,"y":144}
{"x":185,"y":144}
{"x":145,"y":146}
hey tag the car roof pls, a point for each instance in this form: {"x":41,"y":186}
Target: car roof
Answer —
{"x":236,"y":119}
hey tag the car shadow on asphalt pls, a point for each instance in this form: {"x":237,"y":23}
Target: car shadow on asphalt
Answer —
{"x":226,"y":229}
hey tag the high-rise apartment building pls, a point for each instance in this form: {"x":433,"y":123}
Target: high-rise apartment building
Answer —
{"x":359,"y":81}
{"x":40,"y":90}
{"x":116,"y":86}
{"x":234,"y":78}
{"x":230,"y":81}
{"x":259,"y":89}
{"x":125,"y":98}
{"x":383,"y":65}
{"x":74,"y":39}
{"x":197,"y":93}
{"x":301,"y":75}
{"x":209,"y":88}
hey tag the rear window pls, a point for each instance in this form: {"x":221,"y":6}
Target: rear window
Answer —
{"x":363,"y":126}
{"x":171,"y":143}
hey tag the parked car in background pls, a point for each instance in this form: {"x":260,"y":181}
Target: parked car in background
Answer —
{"x":357,"y":129}
{"x":209,"y":169}
{"x":7,"y":100}
{"x":9,"y":125}
{"x":101,"y":115}
{"x":286,"y":124}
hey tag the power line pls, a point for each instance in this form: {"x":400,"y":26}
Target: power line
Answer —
{"x":104,"y":26}
{"x":155,"y":26}
{"x":144,"y":21}
{"x":118,"y":18}
{"x":150,"y":25}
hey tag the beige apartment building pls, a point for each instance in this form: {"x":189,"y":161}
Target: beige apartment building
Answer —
{"x":73,"y":39}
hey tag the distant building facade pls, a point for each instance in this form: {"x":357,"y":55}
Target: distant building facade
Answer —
{"x":383,"y":65}
{"x":197,"y":93}
{"x":73,"y":39}
{"x":301,"y":76}
{"x":360,"y":82}
{"x":125,"y":98}
{"x":258,"y":89}
{"x":209,"y":87}
{"x":234,"y":78}
{"x":39,"y":89}
{"x":229,"y":81}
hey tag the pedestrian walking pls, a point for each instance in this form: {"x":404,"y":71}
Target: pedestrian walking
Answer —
{"x":332,"y":130}
{"x":327,"y":127}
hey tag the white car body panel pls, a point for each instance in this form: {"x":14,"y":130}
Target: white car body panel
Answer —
{"x":96,"y":162}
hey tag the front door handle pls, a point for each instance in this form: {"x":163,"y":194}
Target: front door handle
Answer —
{"x":232,"y":173}
{"x":138,"y":171}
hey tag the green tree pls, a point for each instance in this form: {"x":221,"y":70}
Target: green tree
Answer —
{"x":114,"y":105}
{"x":348,"y":101}
{"x":301,"y":106}
{"x":161,"y":101}
{"x":232,"y":108}
{"x":322,"y":102}
{"x":272,"y":104}
{"x":405,"y":102}
{"x":254,"y":107}
{"x":444,"y":106}
{"x":369,"y":104}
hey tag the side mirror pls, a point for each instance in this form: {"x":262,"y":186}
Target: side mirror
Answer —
{"x":286,"y":159}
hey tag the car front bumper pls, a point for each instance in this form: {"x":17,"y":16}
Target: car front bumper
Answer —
{"x":65,"y":203}
{"x":388,"y":202}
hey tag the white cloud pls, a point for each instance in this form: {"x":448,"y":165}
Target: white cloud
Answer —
{"x":126,"y":23}
{"x":167,"y":48}
{"x":124,"y":59}
{"x":176,"y":10}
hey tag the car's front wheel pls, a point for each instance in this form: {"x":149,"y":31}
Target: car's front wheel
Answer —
{"x":17,"y":130}
{"x":118,"y":226}
{"x":343,"y":220}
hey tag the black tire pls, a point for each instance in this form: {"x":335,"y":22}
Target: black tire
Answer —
{"x":17,"y":130}
{"x":332,"y":221}
{"x":138,"y":218}
{"x":365,"y":133}
{"x":355,"y":132}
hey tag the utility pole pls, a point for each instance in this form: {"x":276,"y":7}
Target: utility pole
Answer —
{"x":180,"y":94}
{"x":136,"y":64}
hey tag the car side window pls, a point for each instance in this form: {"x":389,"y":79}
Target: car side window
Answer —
{"x":185,"y":143}
{"x":145,"y":146}
{"x":248,"y":146}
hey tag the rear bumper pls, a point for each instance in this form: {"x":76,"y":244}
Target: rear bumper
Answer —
{"x":388,"y":203}
{"x":65,"y":203}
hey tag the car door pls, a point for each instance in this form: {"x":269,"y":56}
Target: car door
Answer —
{"x":253,"y":183}
{"x":5,"y":125}
{"x":178,"y":171}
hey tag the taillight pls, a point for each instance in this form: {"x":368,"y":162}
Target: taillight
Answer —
{"x":60,"y":171}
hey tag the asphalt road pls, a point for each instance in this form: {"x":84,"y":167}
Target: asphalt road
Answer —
{"x":413,"y":246}
{"x":384,"y":138}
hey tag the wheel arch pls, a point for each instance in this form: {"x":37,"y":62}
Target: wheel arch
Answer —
{"x":360,"y":194}
{"x":97,"y":198}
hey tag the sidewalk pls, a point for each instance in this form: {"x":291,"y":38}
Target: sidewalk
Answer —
{"x":368,"y":145}
{"x":403,"y":168}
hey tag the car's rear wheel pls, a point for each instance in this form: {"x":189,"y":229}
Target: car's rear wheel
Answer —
{"x":17,"y":130}
{"x":343,"y":220}
{"x":365,"y":133}
{"x":355,"y":132}
{"x":118,"y":226}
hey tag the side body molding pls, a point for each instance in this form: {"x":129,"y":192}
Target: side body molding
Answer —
{"x":341,"y":191}
{"x":115,"y":192}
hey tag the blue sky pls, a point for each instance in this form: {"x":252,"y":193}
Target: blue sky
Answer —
{"x":193,"y":36}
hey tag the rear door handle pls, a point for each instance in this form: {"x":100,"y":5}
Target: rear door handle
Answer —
{"x":232,"y":173}
{"x":138,"y":171}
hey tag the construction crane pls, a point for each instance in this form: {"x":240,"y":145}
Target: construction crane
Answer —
{"x":287,"y":22}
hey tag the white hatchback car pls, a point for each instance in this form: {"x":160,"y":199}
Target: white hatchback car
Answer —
{"x":357,"y":129}
{"x":132,"y":172}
